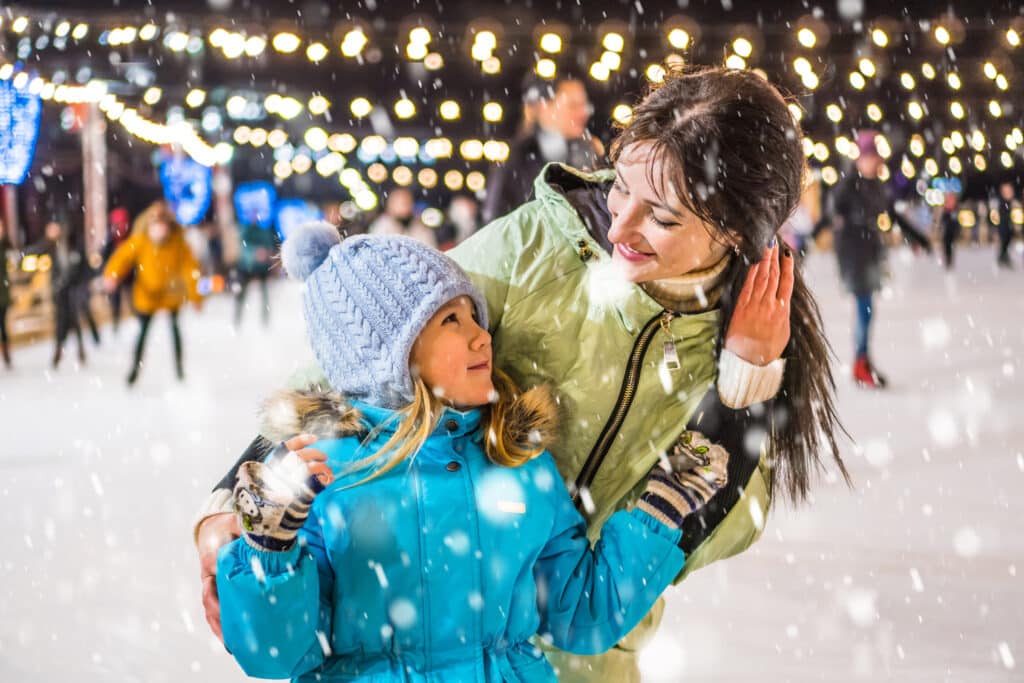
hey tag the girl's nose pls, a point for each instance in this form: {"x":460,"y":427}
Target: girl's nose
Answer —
{"x":480,"y":339}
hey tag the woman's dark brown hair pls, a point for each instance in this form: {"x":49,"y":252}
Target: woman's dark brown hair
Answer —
{"x":734,"y":150}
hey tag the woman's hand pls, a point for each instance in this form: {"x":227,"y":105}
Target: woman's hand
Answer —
{"x":759,"y":329}
{"x":218,"y":530}
{"x":215,"y":531}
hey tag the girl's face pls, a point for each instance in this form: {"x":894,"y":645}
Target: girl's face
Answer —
{"x":655,"y":238}
{"x":453,"y":356}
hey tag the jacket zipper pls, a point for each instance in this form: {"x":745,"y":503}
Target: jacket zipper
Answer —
{"x":627,"y":392}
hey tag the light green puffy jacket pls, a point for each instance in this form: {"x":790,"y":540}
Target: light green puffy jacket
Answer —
{"x":557,"y":318}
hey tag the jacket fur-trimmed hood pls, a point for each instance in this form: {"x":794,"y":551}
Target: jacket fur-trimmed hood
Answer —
{"x":531,"y":419}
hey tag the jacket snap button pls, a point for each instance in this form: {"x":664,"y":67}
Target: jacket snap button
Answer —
{"x":453,"y":466}
{"x":451,"y":425}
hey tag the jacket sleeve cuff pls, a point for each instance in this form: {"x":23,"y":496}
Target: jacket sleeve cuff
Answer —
{"x":656,"y":524}
{"x":742,"y":384}
{"x":219,"y":502}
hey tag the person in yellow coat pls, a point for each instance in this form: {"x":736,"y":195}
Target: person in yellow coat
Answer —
{"x":166,"y":275}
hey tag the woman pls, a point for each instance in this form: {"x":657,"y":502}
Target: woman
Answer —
{"x":166,"y":274}
{"x":619,"y":288}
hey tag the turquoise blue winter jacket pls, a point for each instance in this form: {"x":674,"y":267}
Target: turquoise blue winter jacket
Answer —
{"x":439,"y":571}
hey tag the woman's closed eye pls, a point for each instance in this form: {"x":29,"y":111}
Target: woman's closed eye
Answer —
{"x":663,"y":224}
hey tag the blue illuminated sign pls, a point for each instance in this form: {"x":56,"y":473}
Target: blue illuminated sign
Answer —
{"x":20,"y":112}
{"x":254,"y":203}
{"x":187,"y":188}
{"x":292,"y":213}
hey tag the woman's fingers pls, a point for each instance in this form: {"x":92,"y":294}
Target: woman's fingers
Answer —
{"x":763,"y":274}
{"x":211,"y":606}
{"x":771,"y":286}
{"x":297,"y":443}
{"x":322,"y":472}
{"x":787,"y":278}
{"x":311,"y":455}
{"x":747,"y":292}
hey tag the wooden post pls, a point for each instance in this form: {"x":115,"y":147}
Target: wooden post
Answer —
{"x":94,"y":173}
{"x":11,"y":227}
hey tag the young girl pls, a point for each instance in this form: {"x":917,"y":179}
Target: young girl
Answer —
{"x":447,"y":539}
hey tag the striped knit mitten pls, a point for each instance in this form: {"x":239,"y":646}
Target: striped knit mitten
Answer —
{"x":272,"y":500}
{"x":671,"y":496}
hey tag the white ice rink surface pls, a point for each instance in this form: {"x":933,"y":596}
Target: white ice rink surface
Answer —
{"x":914,"y":575}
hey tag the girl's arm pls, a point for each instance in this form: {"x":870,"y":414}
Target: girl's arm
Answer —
{"x":275,"y":592}
{"x":276,"y":612}
{"x":589,"y":598}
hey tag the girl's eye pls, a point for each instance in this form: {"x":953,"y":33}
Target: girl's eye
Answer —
{"x":662,"y":224}
{"x":618,"y":187}
{"x":450,"y":318}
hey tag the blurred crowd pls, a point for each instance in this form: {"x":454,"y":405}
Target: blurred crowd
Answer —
{"x":150,"y":264}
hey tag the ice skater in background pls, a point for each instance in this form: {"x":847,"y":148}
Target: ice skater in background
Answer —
{"x":1005,"y":228}
{"x":858,"y":204}
{"x":116,"y":235}
{"x":438,"y":537}
{"x":949,"y":224}
{"x":166,"y":274}
{"x":69,"y":270}
{"x":254,"y":263}
{"x":5,"y":297}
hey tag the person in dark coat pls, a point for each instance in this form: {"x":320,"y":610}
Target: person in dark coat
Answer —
{"x":120,"y":227}
{"x":950,"y":225}
{"x":861,"y":202}
{"x":1005,"y":211}
{"x":254,"y":263}
{"x":68,"y":269}
{"x":561,"y":110}
{"x":5,"y":298}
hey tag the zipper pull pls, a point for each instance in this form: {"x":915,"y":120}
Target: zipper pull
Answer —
{"x":669,"y":346}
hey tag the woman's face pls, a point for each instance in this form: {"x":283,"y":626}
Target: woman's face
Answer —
{"x":158,"y":231}
{"x":654,"y":238}
{"x":453,"y":356}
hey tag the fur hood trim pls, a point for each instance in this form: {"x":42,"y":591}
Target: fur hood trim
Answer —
{"x":531,"y":419}
{"x":325,"y":414}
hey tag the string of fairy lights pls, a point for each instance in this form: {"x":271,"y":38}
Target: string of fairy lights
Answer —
{"x":946,"y":130}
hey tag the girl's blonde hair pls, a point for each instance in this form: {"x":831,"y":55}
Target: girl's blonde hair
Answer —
{"x":517,"y":426}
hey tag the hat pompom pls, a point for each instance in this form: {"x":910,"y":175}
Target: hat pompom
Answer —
{"x":307,"y":247}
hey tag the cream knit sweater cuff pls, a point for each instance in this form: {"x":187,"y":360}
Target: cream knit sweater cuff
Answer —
{"x":219,"y":502}
{"x":742,"y":384}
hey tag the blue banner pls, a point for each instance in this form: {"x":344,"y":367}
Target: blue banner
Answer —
{"x":254,"y":203}
{"x":292,"y":213}
{"x":20,"y":113}
{"x":187,"y":187}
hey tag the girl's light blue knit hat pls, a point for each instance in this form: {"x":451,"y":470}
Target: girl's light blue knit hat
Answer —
{"x":366,"y":299}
